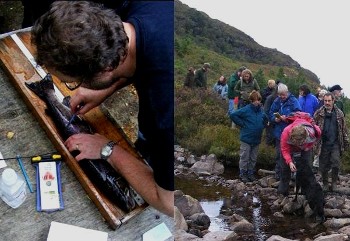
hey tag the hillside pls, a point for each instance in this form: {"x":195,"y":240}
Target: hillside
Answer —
{"x":199,"y":29}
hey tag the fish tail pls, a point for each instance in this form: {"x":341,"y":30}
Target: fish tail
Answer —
{"x":43,"y":87}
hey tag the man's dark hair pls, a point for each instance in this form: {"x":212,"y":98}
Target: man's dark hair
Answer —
{"x":305,"y":89}
{"x":329,"y":94}
{"x":79,"y":39}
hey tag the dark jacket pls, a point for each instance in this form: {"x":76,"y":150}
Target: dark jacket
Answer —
{"x":252,"y":120}
{"x":291,"y":104}
{"x":231,"y":93}
{"x":343,"y":137}
{"x":200,"y":78}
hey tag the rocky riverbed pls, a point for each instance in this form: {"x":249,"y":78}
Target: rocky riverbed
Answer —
{"x":192,"y":222}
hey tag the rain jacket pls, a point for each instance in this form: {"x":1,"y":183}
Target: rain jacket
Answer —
{"x":287,"y":148}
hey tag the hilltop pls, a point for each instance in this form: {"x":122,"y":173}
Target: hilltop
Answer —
{"x":227,"y":47}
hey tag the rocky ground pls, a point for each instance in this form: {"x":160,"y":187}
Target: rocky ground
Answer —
{"x":192,"y":223}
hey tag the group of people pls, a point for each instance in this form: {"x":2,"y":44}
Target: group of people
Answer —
{"x":197,"y":78}
{"x":300,"y":128}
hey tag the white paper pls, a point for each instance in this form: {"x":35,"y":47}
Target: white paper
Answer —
{"x":2,"y":162}
{"x":158,"y":233}
{"x":61,"y":231}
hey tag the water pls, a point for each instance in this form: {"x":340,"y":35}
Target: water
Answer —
{"x":212,"y":209}
{"x":215,"y":199}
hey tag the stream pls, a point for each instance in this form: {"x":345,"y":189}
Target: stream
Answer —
{"x":216,"y":199}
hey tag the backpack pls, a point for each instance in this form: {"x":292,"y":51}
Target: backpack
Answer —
{"x":300,"y":115}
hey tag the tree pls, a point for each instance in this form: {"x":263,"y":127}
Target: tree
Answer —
{"x":260,"y":77}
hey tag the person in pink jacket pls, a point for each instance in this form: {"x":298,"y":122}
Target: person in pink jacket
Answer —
{"x":297,"y":141}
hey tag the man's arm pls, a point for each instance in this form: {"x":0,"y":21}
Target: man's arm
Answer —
{"x":140,"y":177}
{"x":285,"y":147}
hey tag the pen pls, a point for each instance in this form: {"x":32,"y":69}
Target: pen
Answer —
{"x":71,"y":119}
{"x":24,"y":173}
{"x":73,"y":116}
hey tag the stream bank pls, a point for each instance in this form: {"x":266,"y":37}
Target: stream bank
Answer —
{"x":254,"y":211}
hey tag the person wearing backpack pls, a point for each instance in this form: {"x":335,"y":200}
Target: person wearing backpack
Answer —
{"x":231,"y":93}
{"x":297,"y":141}
{"x":298,"y":137}
{"x":245,"y":86}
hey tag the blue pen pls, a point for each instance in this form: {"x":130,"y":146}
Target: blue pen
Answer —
{"x":24,"y":173}
{"x":71,"y":119}
{"x":74,"y":115}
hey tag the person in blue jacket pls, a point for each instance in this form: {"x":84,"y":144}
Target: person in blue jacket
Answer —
{"x":252,"y":120}
{"x":282,"y":106}
{"x":308,"y":102}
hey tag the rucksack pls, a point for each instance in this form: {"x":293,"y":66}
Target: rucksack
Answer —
{"x":300,"y":115}
{"x":305,"y":116}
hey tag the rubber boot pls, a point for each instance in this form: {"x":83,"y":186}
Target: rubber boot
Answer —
{"x":243,"y":175}
{"x":325,"y":181}
{"x":334,"y":178}
{"x":251,"y":176}
{"x":283,"y":186}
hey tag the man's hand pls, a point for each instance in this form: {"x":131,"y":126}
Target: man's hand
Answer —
{"x":86,"y":99}
{"x":292,"y":167}
{"x":89,"y":145}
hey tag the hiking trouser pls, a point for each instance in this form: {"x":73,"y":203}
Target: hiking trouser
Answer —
{"x":329,"y":158}
{"x":301,"y":160}
{"x":279,"y":158}
{"x":248,"y":155}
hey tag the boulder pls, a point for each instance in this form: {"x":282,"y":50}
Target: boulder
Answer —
{"x":201,"y":219}
{"x":182,"y":235}
{"x":180,"y":222}
{"x":278,"y":238}
{"x":336,"y":223}
{"x":191,"y":160}
{"x":187,"y":205}
{"x":332,"y":237}
{"x":220,"y":236}
{"x":335,"y":213}
{"x":208,"y":166}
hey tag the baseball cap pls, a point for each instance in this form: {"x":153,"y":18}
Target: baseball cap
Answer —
{"x":335,"y":87}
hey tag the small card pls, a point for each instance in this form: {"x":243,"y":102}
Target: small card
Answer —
{"x":158,"y":233}
{"x":61,"y":231}
{"x":2,"y":162}
{"x":49,"y":186}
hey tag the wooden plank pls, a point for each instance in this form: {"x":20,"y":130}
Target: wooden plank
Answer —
{"x":20,"y":70}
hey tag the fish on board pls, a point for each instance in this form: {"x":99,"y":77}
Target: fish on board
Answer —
{"x":100,"y":172}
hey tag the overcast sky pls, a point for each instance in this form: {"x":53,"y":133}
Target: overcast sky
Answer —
{"x":315,"y":33}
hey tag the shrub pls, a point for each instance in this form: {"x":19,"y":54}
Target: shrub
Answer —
{"x":203,"y":127}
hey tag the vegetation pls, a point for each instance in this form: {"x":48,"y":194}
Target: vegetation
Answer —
{"x":201,"y":121}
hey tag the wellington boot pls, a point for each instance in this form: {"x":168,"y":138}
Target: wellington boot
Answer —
{"x":334,"y":178}
{"x":251,"y":176}
{"x":243,"y":175}
{"x":325,"y":181}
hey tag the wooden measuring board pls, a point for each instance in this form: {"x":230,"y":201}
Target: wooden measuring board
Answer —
{"x":20,"y":70}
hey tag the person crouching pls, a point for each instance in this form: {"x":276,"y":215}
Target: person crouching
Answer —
{"x":297,"y":141}
{"x":251,"y":120}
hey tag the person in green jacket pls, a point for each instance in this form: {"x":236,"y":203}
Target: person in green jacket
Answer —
{"x":200,"y":76}
{"x":245,"y":86}
{"x":231,"y":93}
